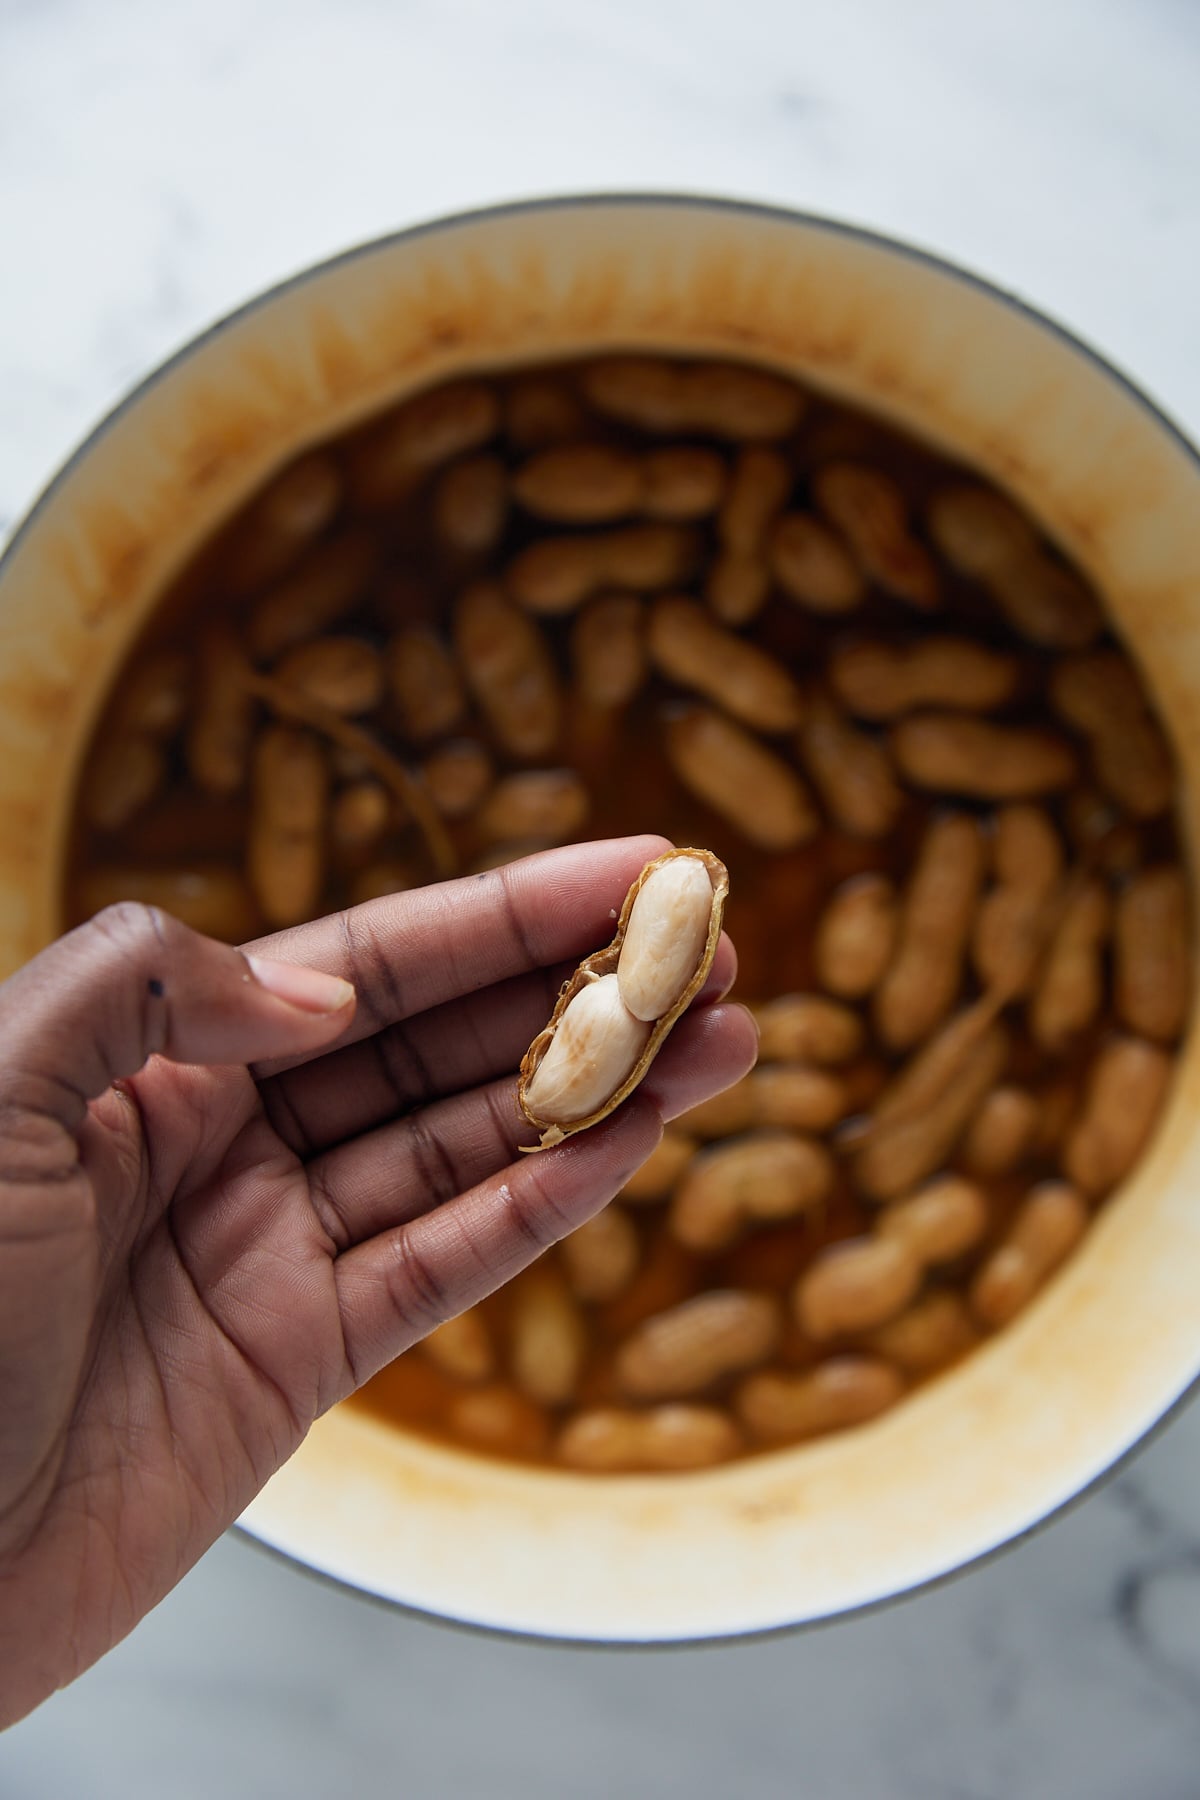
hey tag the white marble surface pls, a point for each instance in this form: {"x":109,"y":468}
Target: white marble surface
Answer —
{"x":161,"y":162}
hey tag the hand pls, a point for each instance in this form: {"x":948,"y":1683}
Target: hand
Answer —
{"x":232,"y":1188}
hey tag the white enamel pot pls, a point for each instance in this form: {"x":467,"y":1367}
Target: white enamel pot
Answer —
{"x":987,"y":1452}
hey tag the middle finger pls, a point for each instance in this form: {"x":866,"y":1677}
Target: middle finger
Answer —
{"x":407,"y":1167}
{"x":447,"y":1050}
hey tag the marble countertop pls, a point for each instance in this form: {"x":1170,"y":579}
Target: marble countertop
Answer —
{"x":158,"y":164}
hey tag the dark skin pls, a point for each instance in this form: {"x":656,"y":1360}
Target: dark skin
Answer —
{"x":232,"y":1189}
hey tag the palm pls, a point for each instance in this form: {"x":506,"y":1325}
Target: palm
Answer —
{"x":218,"y":1254}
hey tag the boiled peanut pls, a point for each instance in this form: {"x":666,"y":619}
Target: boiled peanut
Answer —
{"x":789,"y":1095}
{"x":852,"y":773}
{"x":210,"y":898}
{"x":665,"y":936}
{"x":767,"y":1175}
{"x":813,"y":566}
{"x":580,"y":484}
{"x":458,"y":776}
{"x":1027,"y":850}
{"x":601,"y":1256}
{"x":608,"y":650}
{"x":681,"y":482}
{"x":807,"y":1028}
{"x":840,"y":1392}
{"x":883,"y":681}
{"x":556,"y":574}
{"x":661,"y":1169}
{"x":547,"y":1336}
{"x":462,"y":1347}
{"x":549,"y":804}
{"x":152,"y":699}
{"x":1154,"y":963}
{"x":343,"y":673}
{"x":1101,"y":696}
{"x":1048,"y":1225}
{"x":983,"y":535}
{"x":933,"y":1332}
{"x":290,"y":512}
{"x":326,"y":585}
{"x":509,"y":670}
{"x":222,"y":730}
{"x":868,"y":509}
{"x":855,"y":937}
{"x":793,"y":1096}
{"x":122,"y":776}
{"x":360,"y":815}
{"x":736,"y":588}
{"x":610,"y":1440}
{"x":940,"y":1222}
{"x":1002,"y":1133}
{"x":285,"y":848}
{"x":470,"y":505}
{"x":1070,"y":985}
{"x":690,"y":648}
{"x":421,"y":435}
{"x":950,"y":754}
{"x":1126,"y":1086}
{"x":1010,"y":925}
{"x":594,"y":1050}
{"x":920,"y":1134}
{"x":740,"y":779}
{"x":855,"y":1285}
{"x":936,"y":914}
{"x":425,"y":682}
{"x":539,"y":410}
{"x":716,"y":398}
{"x":689,"y":1347}
{"x":757,"y":492}
{"x":500,"y":1420}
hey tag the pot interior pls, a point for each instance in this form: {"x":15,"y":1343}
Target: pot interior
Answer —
{"x":976,"y":1457}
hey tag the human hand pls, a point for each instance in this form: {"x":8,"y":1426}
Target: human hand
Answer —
{"x":232,"y":1189}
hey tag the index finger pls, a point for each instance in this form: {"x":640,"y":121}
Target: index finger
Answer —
{"x":408,"y":952}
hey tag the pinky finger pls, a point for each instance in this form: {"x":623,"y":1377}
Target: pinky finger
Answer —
{"x":396,"y":1287}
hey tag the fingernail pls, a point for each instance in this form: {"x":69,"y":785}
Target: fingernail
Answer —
{"x":311,"y":990}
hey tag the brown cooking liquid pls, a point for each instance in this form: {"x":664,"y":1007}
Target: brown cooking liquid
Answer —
{"x":775,"y":900}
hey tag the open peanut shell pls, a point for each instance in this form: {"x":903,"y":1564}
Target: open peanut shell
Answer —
{"x":604,"y":962}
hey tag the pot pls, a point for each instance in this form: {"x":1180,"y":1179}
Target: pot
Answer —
{"x":975,"y":1458}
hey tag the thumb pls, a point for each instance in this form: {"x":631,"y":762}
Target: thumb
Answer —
{"x":133,"y":983}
